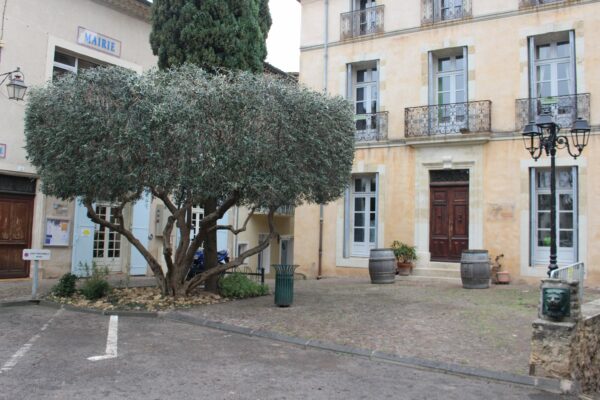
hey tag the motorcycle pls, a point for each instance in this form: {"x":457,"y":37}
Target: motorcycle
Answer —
{"x":198,"y":262}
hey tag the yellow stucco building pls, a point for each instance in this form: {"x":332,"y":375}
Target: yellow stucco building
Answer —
{"x":442,"y":90}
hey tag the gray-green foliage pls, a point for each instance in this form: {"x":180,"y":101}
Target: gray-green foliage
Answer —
{"x":95,"y":286}
{"x":228,"y":34}
{"x":65,"y":286}
{"x":109,"y":134}
{"x":238,"y":286}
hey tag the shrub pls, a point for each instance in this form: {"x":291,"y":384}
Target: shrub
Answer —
{"x":96,"y":285}
{"x":238,"y":286}
{"x":65,"y":286}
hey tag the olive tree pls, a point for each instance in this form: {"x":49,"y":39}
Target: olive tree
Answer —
{"x":183,"y":135}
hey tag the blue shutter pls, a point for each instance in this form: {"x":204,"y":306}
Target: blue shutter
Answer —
{"x":83,"y":240}
{"x":140,"y":227}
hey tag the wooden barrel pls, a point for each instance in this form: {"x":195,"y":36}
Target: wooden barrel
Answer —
{"x":475,"y":269}
{"x":382,"y":266}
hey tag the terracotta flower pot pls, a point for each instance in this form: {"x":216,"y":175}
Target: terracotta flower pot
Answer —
{"x":404,"y":269}
{"x":503,"y":277}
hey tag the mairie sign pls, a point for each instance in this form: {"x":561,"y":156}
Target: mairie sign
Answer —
{"x":99,"y":42}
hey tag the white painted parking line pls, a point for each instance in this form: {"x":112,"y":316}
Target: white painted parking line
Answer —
{"x":111,"y":340}
{"x":10,"y":364}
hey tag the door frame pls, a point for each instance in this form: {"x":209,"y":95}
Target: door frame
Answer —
{"x":454,"y":184}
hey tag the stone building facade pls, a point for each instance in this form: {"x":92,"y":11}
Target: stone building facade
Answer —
{"x":441,"y":91}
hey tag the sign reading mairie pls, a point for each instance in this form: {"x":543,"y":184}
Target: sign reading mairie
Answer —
{"x":99,"y":42}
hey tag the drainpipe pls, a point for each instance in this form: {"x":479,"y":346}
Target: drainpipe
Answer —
{"x":325,"y":77}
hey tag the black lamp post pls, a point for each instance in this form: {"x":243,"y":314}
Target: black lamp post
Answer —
{"x":16,"y":84}
{"x":544,"y":136}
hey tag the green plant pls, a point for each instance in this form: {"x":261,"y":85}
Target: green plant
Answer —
{"x":96,"y":285}
{"x":238,"y":286}
{"x":65,"y":286}
{"x":403,"y":252}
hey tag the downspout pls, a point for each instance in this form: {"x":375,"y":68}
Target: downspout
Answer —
{"x":325,"y":78}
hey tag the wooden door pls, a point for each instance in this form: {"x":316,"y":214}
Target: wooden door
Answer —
{"x":449,"y":222}
{"x":16,"y":217}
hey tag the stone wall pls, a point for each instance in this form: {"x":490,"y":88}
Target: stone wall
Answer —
{"x":585,"y":362}
{"x":568,"y":349}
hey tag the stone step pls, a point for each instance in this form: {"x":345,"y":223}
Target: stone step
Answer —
{"x":436,"y":272}
{"x":425,"y":279}
{"x":444,"y":265}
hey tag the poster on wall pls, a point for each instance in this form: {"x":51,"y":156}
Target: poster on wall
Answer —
{"x":57,"y":232}
{"x":2,"y":150}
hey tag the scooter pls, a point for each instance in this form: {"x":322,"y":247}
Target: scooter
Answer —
{"x":198,"y":263}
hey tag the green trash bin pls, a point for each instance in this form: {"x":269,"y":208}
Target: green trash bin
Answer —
{"x":284,"y":284}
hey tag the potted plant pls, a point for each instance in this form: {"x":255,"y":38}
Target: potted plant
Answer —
{"x":497,"y":274}
{"x":405,"y":255}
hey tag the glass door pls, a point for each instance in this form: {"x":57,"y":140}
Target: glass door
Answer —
{"x":451,"y":93}
{"x":566,"y":216}
{"x":107,"y":243}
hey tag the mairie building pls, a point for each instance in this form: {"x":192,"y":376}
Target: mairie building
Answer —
{"x":45,"y":39}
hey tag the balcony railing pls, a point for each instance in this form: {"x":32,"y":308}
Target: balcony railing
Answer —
{"x":361,"y":22}
{"x":564,"y":109}
{"x":432,"y":11}
{"x":371,"y":127}
{"x":283,"y":210}
{"x":446,"y":119}
{"x":532,"y":3}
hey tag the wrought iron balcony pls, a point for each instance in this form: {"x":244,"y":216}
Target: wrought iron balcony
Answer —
{"x":361,"y":22}
{"x":446,"y":119}
{"x":533,"y":3}
{"x":371,"y":127}
{"x":283,"y":210}
{"x":564,"y":109}
{"x":432,"y":11}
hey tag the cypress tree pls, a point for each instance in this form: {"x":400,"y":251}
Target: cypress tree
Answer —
{"x":213,"y":34}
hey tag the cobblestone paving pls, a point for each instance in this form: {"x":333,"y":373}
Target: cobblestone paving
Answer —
{"x":488,"y":328}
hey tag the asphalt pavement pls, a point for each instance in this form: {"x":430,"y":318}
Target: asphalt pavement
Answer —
{"x":44,"y":354}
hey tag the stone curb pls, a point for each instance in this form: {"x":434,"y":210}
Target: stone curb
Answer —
{"x":545,"y":384}
{"x":18,"y":303}
{"x":120,"y":313}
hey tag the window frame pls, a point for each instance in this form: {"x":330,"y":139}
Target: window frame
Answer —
{"x":539,"y":255}
{"x":362,"y":249}
{"x":552,"y":39}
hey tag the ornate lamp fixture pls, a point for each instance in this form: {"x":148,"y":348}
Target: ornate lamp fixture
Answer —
{"x":16,"y":84}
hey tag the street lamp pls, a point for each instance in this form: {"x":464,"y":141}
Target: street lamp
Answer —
{"x":16,"y":84}
{"x":543,"y":136}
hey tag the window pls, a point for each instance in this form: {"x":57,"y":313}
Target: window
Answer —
{"x":552,"y":67}
{"x":368,"y":18}
{"x":566,"y":215}
{"x":448,"y":89}
{"x":66,"y":63}
{"x":242,"y":247}
{"x":197,"y":215}
{"x":107,"y":244}
{"x":363,"y":215}
{"x":450,"y":9}
{"x":363,"y":90}
{"x":552,"y":77}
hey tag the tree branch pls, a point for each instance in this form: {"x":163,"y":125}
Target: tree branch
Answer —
{"x":152,"y":262}
{"x":231,"y":228}
{"x":239,"y":260}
